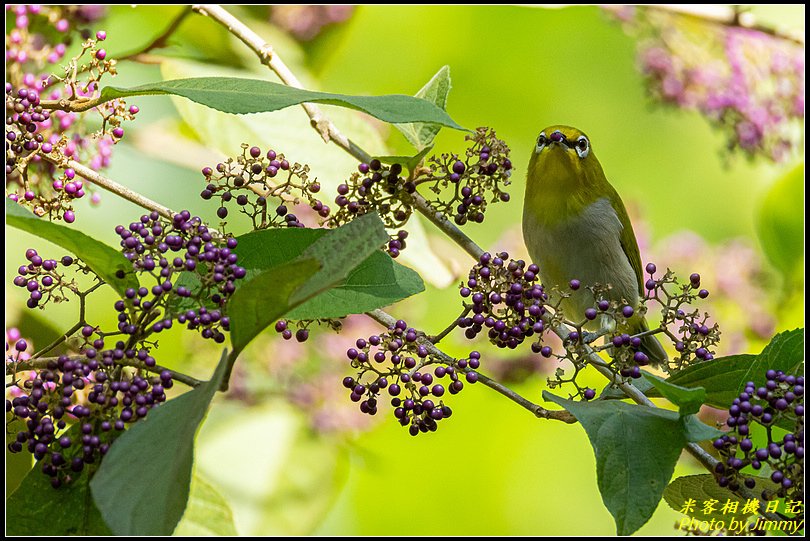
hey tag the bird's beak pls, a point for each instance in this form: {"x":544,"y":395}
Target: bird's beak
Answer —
{"x":557,"y":138}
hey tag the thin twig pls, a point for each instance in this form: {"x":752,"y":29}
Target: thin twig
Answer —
{"x":160,"y":41}
{"x":38,"y":364}
{"x":110,"y":185}
{"x":62,"y":338}
{"x":439,"y":337}
{"x":729,"y":16}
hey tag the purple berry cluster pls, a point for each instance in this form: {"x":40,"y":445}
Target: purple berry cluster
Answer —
{"x":41,"y":132}
{"x":166,"y":249}
{"x":747,"y":83}
{"x":507,"y":299}
{"x":689,"y":329}
{"x":780,"y":401}
{"x":398,"y":364}
{"x":375,"y":187}
{"x":468,"y":183}
{"x":249,"y":183}
{"x":41,"y":278}
{"x":95,"y":394}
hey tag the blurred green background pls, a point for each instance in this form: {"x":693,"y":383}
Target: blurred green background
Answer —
{"x":286,"y":449}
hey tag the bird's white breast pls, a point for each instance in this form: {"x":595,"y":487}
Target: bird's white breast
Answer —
{"x":586,"y":247}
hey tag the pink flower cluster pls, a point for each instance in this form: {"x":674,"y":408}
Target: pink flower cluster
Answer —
{"x":748,"y":83}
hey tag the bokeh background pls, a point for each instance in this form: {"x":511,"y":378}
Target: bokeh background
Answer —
{"x":286,"y":449}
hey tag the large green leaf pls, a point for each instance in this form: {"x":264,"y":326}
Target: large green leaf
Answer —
{"x":323,"y":264}
{"x":265,"y":298}
{"x":36,"y":508}
{"x":142,"y":485}
{"x":687,"y":399}
{"x":104,"y":260}
{"x":690,"y":494}
{"x":436,"y":90}
{"x":636,"y":449}
{"x":242,"y":96}
{"x":207,"y":513}
{"x":725,"y":377}
{"x":341,"y":251}
{"x":780,"y":224}
{"x":376,"y":282}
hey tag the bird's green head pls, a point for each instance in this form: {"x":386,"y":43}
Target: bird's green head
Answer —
{"x":564,"y":175}
{"x":563,"y":155}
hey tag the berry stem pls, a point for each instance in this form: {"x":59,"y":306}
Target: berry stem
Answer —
{"x":38,"y":364}
{"x":438,"y":338}
{"x":110,"y":185}
{"x":159,"y":41}
{"x":75,"y":328}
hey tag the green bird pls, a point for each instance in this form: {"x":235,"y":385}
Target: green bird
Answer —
{"x":575,"y":227}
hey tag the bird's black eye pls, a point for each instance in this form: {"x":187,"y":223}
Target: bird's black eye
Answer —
{"x":541,"y":142}
{"x":582,"y":146}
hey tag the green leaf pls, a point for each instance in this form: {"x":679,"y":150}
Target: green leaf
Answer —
{"x":611,"y":391}
{"x":326,"y":262}
{"x":780,"y":224}
{"x":724,"y":378}
{"x":636,"y":449}
{"x":341,"y":251}
{"x":142,"y":485}
{"x":260,"y":301}
{"x":688,"y":400}
{"x":419,"y":134}
{"x":36,"y":508}
{"x":207,"y":513}
{"x":409,"y":162}
{"x":696,"y":430}
{"x":243,"y":96}
{"x":104,"y":260}
{"x":376,"y":282}
{"x":704,"y":488}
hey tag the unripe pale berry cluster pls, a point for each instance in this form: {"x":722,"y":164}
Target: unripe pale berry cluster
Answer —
{"x":779,"y":402}
{"x":95,"y":393}
{"x":250,"y":182}
{"x":396,"y":364}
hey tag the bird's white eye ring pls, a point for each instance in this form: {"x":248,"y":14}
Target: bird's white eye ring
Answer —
{"x":582,"y":146}
{"x":541,"y":142}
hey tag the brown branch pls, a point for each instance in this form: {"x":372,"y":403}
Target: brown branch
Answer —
{"x":728,"y":16}
{"x":39,"y":364}
{"x":160,"y":41}
{"x":110,"y":185}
